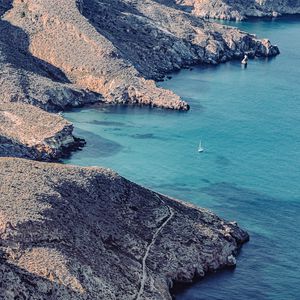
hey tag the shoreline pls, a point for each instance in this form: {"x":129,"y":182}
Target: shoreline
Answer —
{"x":47,"y":146}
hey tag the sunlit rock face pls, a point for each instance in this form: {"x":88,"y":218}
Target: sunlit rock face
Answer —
{"x":87,"y":233}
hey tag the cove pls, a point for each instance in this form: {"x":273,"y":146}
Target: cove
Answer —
{"x":248,"y":121}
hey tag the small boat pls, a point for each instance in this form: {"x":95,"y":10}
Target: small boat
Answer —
{"x":245,"y":60}
{"x":200,"y":148}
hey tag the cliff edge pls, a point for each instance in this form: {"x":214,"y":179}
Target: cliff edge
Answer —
{"x":28,"y":131}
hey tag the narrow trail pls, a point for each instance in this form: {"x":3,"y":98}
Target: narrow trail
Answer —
{"x":157,"y":232}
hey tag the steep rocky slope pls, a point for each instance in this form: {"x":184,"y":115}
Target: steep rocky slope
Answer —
{"x":26,"y":78}
{"x":240,"y":9}
{"x":87,"y":233}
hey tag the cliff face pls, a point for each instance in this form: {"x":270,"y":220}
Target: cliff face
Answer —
{"x":240,"y":9}
{"x":87,"y":233}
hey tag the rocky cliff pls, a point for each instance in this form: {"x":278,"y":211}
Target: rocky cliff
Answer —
{"x":240,"y":9}
{"x":87,"y":233}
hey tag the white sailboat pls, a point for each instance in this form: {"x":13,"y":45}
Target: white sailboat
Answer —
{"x":200,"y":148}
{"x":245,"y":60}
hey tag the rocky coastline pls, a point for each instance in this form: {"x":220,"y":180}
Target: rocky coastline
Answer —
{"x":61,"y":54}
{"x":30,"y":132}
{"x":87,"y":233}
{"x":71,"y":52}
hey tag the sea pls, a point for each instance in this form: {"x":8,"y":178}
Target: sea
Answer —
{"x":248,"y":120}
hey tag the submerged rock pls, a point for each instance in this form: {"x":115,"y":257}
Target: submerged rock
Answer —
{"x":87,"y":233}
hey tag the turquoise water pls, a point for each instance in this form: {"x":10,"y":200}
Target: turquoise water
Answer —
{"x":249,"y":123}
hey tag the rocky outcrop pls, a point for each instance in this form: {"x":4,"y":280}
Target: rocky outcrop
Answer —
{"x":27,"y":131}
{"x":240,"y":9}
{"x":27,"y":79}
{"x":87,"y":233}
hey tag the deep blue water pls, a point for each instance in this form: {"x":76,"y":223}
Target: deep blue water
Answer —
{"x":249,"y":123}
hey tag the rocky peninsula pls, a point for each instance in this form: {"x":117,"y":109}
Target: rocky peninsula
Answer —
{"x":87,"y":233}
{"x":68,"y":52}
{"x":28,"y":131}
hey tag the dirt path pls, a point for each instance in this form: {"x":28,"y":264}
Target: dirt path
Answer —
{"x":157,"y":232}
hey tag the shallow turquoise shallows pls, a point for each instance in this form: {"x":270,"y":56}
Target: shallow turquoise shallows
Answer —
{"x":249,"y":124}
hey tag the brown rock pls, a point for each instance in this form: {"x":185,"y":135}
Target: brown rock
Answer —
{"x":67,"y":52}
